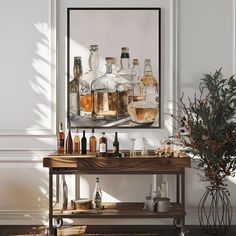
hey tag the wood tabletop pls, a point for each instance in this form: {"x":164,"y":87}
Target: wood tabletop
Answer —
{"x":92,"y":164}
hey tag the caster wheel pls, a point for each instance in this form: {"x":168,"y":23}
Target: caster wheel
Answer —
{"x":58,"y":223}
{"x":177,"y":223}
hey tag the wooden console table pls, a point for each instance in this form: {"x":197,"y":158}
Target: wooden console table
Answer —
{"x":89,"y":164}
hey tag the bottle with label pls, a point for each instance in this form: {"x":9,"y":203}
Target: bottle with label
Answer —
{"x":69,"y":142}
{"x":74,"y":89}
{"x":116,"y":146}
{"x":76,"y":141}
{"x":103,"y":145}
{"x":84,"y":144}
{"x":85,"y":83}
{"x":97,"y":196}
{"x":60,"y":140}
{"x":104,"y":95}
{"x":125,"y":70}
{"x":164,"y":187}
{"x":93,"y":143}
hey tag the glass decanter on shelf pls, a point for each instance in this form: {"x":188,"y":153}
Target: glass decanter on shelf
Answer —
{"x":144,"y":108}
{"x":104,"y":94}
{"x":132,"y":148}
{"x":86,"y":81}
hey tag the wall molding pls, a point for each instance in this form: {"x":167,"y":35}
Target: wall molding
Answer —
{"x":52,"y":14}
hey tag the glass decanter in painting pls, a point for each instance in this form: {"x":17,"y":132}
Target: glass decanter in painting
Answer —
{"x":104,"y":95}
{"x":86,"y":81}
{"x":144,"y":108}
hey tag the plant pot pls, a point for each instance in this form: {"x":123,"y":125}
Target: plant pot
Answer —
{"x":215,"y":211}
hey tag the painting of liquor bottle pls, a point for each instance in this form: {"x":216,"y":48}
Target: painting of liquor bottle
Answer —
{"x":114,"y":82}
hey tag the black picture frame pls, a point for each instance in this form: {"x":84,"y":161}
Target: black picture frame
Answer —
{"x":158,"y":65}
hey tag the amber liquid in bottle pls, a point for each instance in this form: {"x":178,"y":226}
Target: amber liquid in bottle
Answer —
{"x":76,"y":141}
{"x":60,"y":140}
{"x":93,"y":143}
{"x":103,"y":146}
{"x":69,"y":142}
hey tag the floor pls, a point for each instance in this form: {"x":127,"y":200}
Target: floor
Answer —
{"x":138,"y":230}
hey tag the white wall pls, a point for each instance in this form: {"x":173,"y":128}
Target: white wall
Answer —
{"x":198,"y":36}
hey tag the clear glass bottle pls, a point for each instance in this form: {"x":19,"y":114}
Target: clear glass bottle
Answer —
{"x":164,"y":187}
{"x":86,"y":81}
{"x":74,"y":103}
{"x":76,"y":141}
{"x":104,"y":94}
{"x":103,"y":145}
{"x":144,"y":109}
{"x":69,"y":142}
{"x":125,"y":70}
{"x":136,"y":79}
{"x":60,"y":140}
{"x":124,"y":91}
{"x":97,"y":196}
{"x":93,"y":143}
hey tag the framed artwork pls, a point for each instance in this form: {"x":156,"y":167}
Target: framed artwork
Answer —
{"x":114,"y":67}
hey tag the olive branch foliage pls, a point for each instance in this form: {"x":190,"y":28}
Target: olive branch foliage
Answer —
{"x":209,"y":122}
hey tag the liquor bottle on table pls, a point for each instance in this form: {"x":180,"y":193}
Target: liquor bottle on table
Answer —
{"x":74,"y":103}
{"x":116,"y":146}
{"x":84,"y":144}
{"x":76,"y":141}
{"x":86,"y":81}
{"x":97,"y":196}
{"x":69,"y":142}
{"x":104,"y":95}
{"x":103,"y":145}
{"x":93,"y":143}
{"x":60,"y":140}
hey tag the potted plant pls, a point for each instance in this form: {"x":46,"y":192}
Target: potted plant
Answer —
{"x":208,"y":132}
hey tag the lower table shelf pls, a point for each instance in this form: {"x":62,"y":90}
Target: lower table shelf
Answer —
{"x":121,"y":210}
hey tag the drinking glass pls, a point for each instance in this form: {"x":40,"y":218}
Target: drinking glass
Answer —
{"x":159,"y":149}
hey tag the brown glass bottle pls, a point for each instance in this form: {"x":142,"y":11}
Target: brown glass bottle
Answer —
{"x":76,"y":141}
{"x":93,"y":143}
{"x":60,"y":140}
{"x":69,"y":142}
{"x":103,"y":145}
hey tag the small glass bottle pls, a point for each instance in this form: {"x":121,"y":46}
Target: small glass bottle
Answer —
{"x":60,"y":140}
{"x":164,"y":187}
{"x":93,"y":143}
{"x":104,"y":95}
{"x":103,"y":145}
{"x":84,"y":144}
{"x":125,"y":70}
{"x":86,"y":81}
{"x":69,"y":142}
{"x":116,"y":146}
{"x":76,"y":141}
{"x":74,"y":89}
{"x":97,"y":196}
{"x":136,"y":79}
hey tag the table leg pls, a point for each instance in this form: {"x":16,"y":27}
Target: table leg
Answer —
{"x":183,"y":196}
{"x":177,"y":188}
{"x":51,"y":232}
